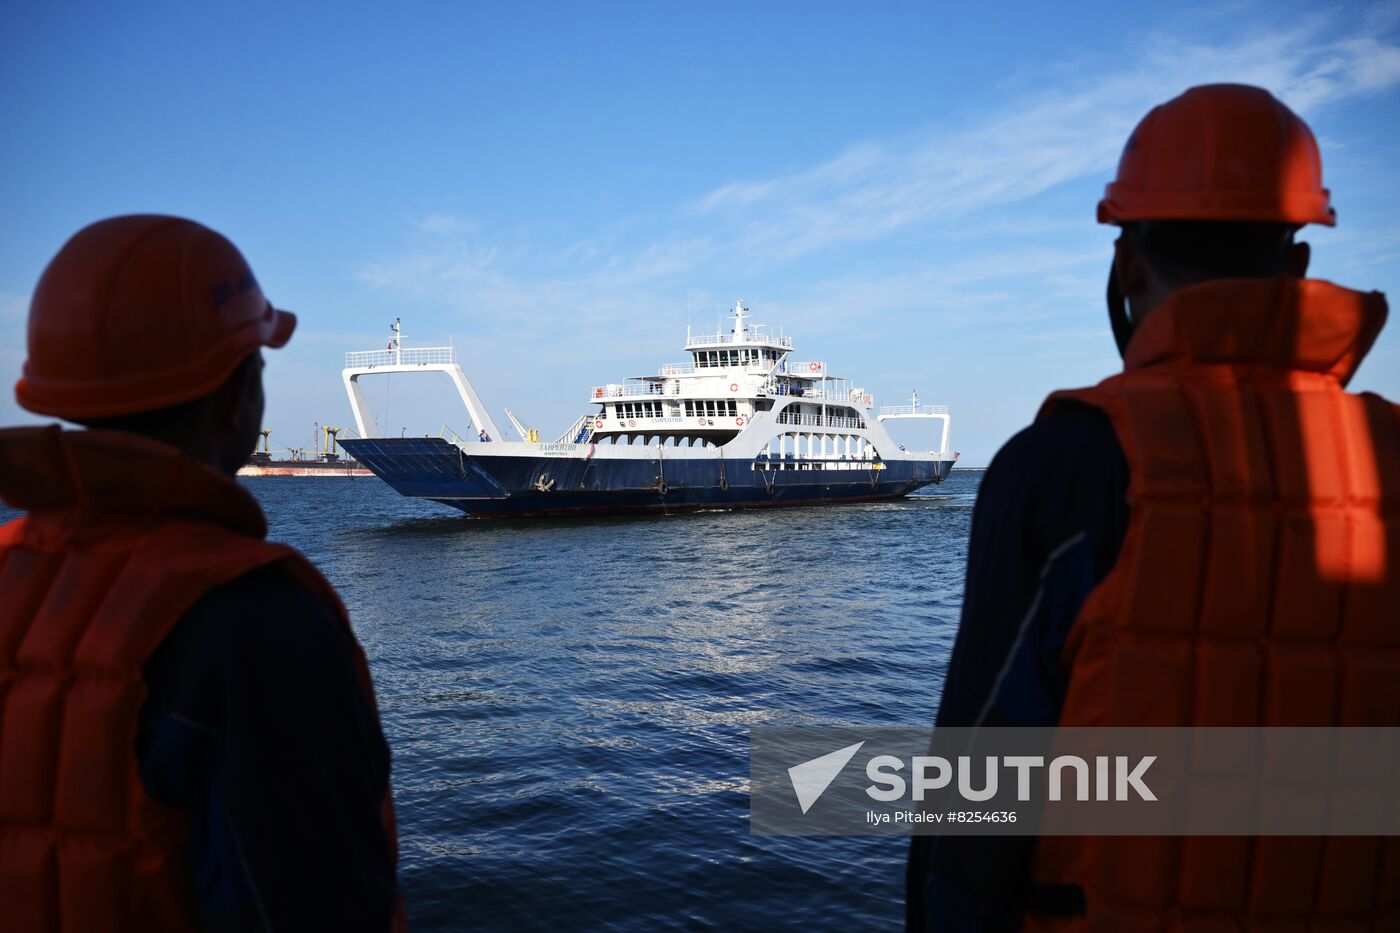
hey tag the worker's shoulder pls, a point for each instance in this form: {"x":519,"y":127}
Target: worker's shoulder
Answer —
{"x":266,"y":604}
{"x":1064,"y":439}
{"x":272,"y":586}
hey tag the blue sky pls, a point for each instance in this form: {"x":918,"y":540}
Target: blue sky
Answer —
{"x":908,"y":190}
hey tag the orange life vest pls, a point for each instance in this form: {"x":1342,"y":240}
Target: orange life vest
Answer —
{"x":1258,"y":585}
{"x":123,"y":536}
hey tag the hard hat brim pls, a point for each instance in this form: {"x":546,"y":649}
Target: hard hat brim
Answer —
{"x":1123,"y":204}
{"x":283,"y":323}
{"x":194,"y":379}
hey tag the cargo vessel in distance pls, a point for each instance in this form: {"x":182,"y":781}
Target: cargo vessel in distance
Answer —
{"x":325,"y":462}
{"x":741,"y":424}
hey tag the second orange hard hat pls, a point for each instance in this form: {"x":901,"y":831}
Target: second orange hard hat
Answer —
{"x":1222,"y":152}
{"x":142,"y":312}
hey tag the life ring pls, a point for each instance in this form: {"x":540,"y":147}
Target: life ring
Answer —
{"x":733,"y":387}
{"x":814,"y":366}
{"x":739,"y":421}
{"x":631,"y":422}
{"x":598,"y":423}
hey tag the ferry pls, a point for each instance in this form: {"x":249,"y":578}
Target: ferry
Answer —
{"x":742,"y":423}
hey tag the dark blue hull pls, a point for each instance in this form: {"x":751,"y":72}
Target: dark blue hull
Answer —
{"x":485,"y":487}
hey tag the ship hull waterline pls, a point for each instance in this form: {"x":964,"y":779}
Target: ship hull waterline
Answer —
{"x":492,"y":486}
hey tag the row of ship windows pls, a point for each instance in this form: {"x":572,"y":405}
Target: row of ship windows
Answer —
{"x":640,"y":410}
{"x":711,"y":359}
{"x":693,"y":409}
{"x":711,"y":408}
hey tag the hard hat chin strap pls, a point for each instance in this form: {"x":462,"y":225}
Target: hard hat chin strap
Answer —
{"x":1118,"y":314}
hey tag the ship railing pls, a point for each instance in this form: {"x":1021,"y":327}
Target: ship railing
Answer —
{"x":452,"y":436}
{"x":577,"y":433}
{"x":686,"y":369}
{"x":888,"y":411}
{"x":628,"y":390}
{"x":756,"y":333}
{"x":817,"y":421}
{"x":412,"y":356}
{"x":811,"y":369}
{"x":842,"y":394}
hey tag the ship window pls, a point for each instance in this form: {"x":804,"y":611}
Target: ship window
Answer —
{"x":710,"y":409}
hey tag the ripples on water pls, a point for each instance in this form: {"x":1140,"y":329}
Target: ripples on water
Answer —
{"x":568,"y":703}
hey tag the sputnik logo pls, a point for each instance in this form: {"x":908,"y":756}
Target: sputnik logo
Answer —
{"x":811,"y":778}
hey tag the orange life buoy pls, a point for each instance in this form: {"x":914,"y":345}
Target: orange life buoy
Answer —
{"x":598,"y":423}
{"x":814,"y":366}
{"x":733,"y":387}
{"x":631,"y":422}
{"x":739,"y":421}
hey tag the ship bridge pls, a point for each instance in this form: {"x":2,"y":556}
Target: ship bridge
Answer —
{"x":742,"y":334}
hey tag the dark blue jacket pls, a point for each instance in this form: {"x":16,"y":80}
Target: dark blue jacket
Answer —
{"x":1050,"y":518}
{"x":256,"y":725}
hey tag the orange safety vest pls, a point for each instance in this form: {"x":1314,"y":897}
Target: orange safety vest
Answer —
{"x":1258,"y":585}
{"x":124,"y":535}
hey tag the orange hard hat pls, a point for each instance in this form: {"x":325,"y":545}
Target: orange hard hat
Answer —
{"x":1226,"y":152}
{"x":141,"y":312}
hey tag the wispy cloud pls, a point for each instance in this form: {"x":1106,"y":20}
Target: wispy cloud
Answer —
{"x":939,"y":177}
{"x":873,"y":190}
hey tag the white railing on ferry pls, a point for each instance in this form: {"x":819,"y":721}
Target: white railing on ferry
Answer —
{"x":411,"y":356}
{"x":629,"y":390}
{"x":452,"y":436}
{"x":888,"y":410}
{"x":753,"y":336}
{"x":686,"y":369}
{"x":829,"y":421}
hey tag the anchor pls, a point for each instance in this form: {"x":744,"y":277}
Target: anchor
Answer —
{"x":544,"y":484}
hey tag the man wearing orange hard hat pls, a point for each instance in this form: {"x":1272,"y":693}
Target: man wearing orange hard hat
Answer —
{"x":188,"y":735}
{"x":1209,"y":538}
